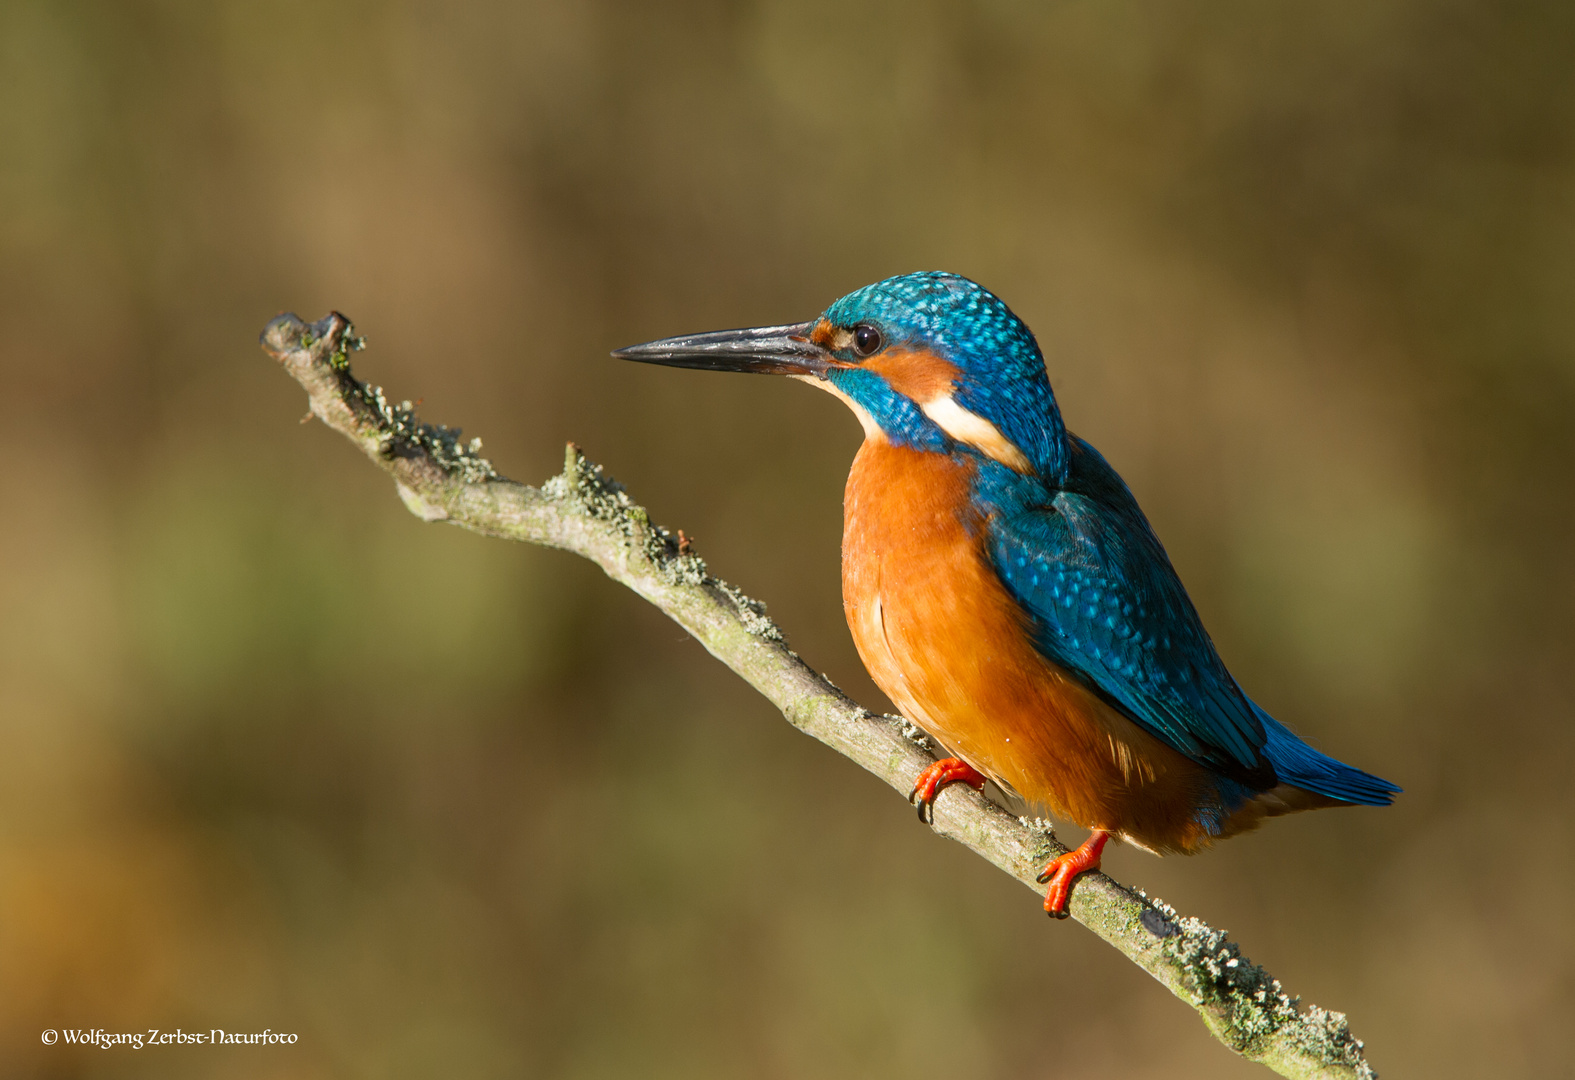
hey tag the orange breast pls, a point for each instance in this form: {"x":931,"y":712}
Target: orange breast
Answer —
{"x":942,"y":637}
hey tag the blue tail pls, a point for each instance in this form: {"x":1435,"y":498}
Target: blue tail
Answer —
{"x":1299,"y":765}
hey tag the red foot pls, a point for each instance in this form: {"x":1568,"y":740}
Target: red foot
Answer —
{"x":1062,"y":870}
{"x":945,"y":771}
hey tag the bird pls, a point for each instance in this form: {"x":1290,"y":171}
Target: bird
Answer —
{"x":1006,"y":592}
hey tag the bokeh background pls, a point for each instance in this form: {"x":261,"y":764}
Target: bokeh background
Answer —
{"x":273,"y":753}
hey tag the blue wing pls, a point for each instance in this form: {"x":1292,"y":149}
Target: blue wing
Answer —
{"x":1105,"y":603}
{"x":1107,"y":606}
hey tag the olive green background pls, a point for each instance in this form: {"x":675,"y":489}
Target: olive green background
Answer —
{"x":275,"y":754}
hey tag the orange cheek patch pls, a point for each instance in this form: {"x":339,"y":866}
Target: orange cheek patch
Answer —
{"x":916,"y":374}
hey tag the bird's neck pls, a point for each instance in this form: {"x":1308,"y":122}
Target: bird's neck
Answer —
{"x":897,"y":495}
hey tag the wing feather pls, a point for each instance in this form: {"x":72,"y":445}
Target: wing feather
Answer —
{"x":1106,"y":604}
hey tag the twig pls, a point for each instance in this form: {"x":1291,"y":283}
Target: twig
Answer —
{"x":441,"y":478}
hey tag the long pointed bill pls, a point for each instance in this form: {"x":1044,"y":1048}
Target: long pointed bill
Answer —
{"x":770,"y":350}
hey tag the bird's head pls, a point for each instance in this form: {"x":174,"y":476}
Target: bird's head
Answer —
{"x":930,"y":360}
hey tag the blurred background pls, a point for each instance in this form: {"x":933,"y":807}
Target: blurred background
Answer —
{"x":273,"y":753}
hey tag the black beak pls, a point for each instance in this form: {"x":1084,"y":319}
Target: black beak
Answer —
{"x":770,"y":350}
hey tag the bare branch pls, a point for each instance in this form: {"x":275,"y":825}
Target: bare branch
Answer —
{"x":584,"y":511}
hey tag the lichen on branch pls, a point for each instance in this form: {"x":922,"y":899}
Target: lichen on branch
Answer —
{"x":442,"y":478}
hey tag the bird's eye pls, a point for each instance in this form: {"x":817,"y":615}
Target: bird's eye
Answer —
{"x":866,"y":339}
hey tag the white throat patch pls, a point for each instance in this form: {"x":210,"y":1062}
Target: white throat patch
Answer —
{"x":871,"y":428}
{"x":966,"y":427}
{"x":975,"y":431}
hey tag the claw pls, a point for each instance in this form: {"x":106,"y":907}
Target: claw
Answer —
{"x":930,"y":782}
{"x":1063,"y":869}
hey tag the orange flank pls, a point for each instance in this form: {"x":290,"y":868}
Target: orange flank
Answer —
{"x":946,"y":642}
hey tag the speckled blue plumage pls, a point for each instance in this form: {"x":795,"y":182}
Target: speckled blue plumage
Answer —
{"x":965,"y":323}
{"x":1074,"y":549}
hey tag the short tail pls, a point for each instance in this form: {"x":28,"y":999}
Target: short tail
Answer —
{"x":1299,"y":765}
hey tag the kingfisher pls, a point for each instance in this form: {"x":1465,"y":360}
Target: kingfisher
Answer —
{"x":1007,"y":593}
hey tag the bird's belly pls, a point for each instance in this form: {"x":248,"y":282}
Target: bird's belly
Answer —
{"x":943,"y":638}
